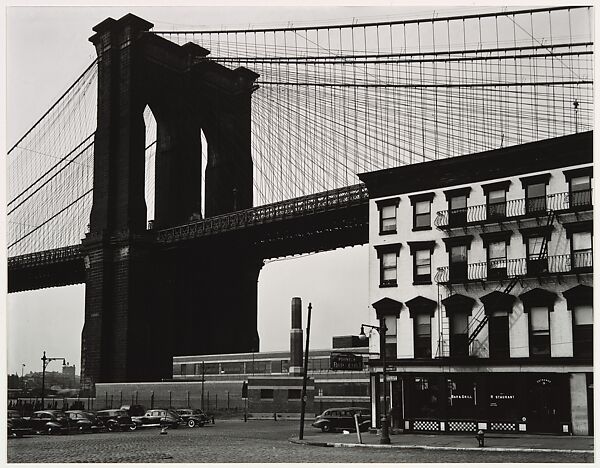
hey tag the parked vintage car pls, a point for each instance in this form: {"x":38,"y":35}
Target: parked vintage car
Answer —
{"x":17,"y":426}
{"x":84,"y":421}
{"x":116,"y":420}
{"x":134,"y":410}
{"x":51,"y":422}
{"x":158,"y":418}
{"x":343,"y":418}
{"x":193,"y":417}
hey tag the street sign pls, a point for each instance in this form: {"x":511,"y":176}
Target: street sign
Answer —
{"x":345,"y":361}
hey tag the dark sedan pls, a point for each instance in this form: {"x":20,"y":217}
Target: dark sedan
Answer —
{"x":17,"y":425}
{"x":343,"y":418}
{"x":158,"y":418}
{"x":50,"y":422}
{"x":193,"y":417}
{"x":84,"y":421}
{"x":116,"y":420}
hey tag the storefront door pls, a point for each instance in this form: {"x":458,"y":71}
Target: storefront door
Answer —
{"x":542,"y":406}
{"x":397,"y":404}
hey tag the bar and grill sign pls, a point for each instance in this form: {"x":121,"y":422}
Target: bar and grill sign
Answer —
{"x":345,"y":361}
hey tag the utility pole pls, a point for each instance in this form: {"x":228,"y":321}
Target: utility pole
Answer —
{"x":45,"y":362}
{"x":303,"y":410}
{"x":202,"y":397}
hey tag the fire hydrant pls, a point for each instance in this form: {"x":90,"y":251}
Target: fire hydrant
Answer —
{"x":480,"y":437}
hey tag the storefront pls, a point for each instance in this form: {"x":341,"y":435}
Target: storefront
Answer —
{"x":467,"y":402}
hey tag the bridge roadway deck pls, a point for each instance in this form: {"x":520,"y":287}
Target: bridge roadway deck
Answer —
{"x":318,"y":222}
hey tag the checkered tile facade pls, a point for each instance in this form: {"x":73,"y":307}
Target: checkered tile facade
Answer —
{"x":426,"y":426}
{"x":503,"y":426}
{"x":462,"y":426}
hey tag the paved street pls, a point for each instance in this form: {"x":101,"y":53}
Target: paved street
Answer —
{"x":237,"y":442}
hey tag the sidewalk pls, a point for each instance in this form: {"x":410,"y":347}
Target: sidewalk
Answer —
{"x":493,"y":442}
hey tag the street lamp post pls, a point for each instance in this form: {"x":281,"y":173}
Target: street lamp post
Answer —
{"x":22,"y":381}
{"x":45,"y":362}
{"x":381,"y":329}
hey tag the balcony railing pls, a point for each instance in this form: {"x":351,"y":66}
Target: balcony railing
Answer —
{"x":513,"y":209}
{"x":578,"y":262}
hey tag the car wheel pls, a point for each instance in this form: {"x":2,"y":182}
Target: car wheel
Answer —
{"x":112,"y":427}
{"x":326,"y":428}
{"x":191,"y":423}
{"x":50,"y":430}
{"x":133,"y":427}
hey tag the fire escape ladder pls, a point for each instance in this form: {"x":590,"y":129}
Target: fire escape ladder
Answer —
{"x":543,"y":254}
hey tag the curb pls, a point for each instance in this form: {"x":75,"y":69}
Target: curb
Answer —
{"x":434,"y":447}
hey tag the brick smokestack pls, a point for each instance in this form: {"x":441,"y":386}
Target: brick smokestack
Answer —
{"x":296,"y":338}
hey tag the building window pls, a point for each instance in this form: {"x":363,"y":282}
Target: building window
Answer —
{"x":462,"y":397}
{"x":388,"y":311}
{"x":580,"y":187}
{"x":496,"y":199}
{"x":583,"y":336}
{"x":497,"y":306}
{"x":458,"y":309}
{"x":388,"y":262}
{"x":457,"y":206}
{"x":427,"y":397}
{"x":535,"y":198}
{"x":458,"y":263}
{"x":185,"y":369}
{"x":266,"y":393}
{"x":294,"y":394}
{"x":497,"y":260}
{"x":495,"y":244}
{"x":457,"y":248}
{"x":580,"y":192}
{"x":422,"y":215}
{"x":391,"y":324}
{"x":421,"y":310}
{"x":537,"y":254}
{"x":389,"y":268}
{"x":580,"y":301}
{"x":581,"y":250}
{"x":421,"y":252}
{"x":537,"y":260}
{"x":496,"y":204}
{"x":539,"y":331}
{"x":458,"y":210}
{"x":387,"y":215}
{"x":421,"y":204}
{"x":422,"y":333}
{"x":498,"y":334}
{"x":422,"y":266}
{"x":538,"y":303}
{"x":459,"y":336}
{"x":535,"y":193}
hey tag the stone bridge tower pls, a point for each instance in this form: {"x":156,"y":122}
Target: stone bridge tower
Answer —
{"x":144,"y":304}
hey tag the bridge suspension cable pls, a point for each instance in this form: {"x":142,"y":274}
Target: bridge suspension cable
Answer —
{"x":337,"y":100}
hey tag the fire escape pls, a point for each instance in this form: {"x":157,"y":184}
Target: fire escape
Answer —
{"x":480,"y":318}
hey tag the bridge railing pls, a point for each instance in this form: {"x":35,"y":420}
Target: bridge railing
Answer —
{"x":62,"y":254}
{"x":302,"y":206}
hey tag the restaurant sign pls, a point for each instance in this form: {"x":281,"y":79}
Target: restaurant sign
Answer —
{"x":345,"y":361}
